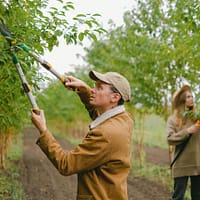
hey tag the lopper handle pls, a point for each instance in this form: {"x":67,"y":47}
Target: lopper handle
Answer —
{"x":36,"y":111}
{"x":7,"y":34}
{"x":4,"y":31}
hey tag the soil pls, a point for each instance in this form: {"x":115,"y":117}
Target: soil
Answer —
{"x":41,"y":180}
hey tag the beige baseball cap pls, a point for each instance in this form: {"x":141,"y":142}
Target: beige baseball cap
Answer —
{"x":115,"y":79}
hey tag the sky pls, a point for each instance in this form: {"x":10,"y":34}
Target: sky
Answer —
{"x":63,"y":57}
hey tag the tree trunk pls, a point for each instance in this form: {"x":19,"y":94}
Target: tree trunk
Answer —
{"x":141,"y":153}
{"x":3,"y":151}
{"x":4,"y":139}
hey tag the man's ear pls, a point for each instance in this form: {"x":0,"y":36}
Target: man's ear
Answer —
{"x":116,"y":97}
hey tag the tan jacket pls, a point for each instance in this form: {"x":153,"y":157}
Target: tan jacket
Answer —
{"x":102,"y":160}
{"x":188,"y":163}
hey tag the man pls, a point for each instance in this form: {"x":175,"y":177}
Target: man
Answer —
{"x":102,"y":160}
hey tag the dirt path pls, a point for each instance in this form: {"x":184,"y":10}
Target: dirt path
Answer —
{"x":41,"y":180}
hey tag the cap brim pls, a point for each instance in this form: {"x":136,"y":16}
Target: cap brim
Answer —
{"x":92,"y":75}
{"x":98,"y":76}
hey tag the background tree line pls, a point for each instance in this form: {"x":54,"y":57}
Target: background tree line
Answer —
{"x":157,"y":49}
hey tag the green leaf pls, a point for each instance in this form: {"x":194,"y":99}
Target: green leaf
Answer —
{"x":81,"y":36}
{"x":80,"y":15}
{"x":93,"y":36}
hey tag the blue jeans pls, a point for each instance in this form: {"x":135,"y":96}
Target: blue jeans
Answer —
{"x":180,"y":185}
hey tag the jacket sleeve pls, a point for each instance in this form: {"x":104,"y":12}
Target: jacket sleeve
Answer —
{"x":92,"y":152}
{"x":84,"y":95}
{"x":175,"y":136}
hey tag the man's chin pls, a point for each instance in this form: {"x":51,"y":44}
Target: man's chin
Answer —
{"x":91,"y":102}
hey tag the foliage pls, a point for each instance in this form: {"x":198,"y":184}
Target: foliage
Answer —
{"x":63,"y":107}
{"x":158,"y":173}
{"x":157,"y":50}
{"x":154,"y":127}
{"x":67,"y":101}
{"x":153,"y":172}
{"x":39,"y":26}
{"x":10,"y":183}
{"x":23,"y":19}
{"x":12,"y":189}
{"x":191,"y":114}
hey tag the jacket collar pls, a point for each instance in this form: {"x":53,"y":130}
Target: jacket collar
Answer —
{"x":108,"y":114}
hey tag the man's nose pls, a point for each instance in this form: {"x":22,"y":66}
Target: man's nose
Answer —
{"x":93,"y":90}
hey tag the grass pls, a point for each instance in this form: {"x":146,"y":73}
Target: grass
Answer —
{"x":10,"y":183}
{"x":158,"y":173}
{"x":152,"y":133}
{"x":155,"y":134}
{"x":153,"y":172}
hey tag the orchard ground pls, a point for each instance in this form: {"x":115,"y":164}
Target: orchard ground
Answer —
{"x":41,"y":181}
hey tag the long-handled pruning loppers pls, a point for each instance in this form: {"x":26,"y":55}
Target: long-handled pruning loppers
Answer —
{"x":13,"y":46}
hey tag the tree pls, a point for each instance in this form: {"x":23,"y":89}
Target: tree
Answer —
{"x":157,"y":49}
{"x":66,"y":113}
{"x":39,"y":27}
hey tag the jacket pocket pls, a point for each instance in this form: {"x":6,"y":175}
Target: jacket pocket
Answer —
{"x":85,"y":197}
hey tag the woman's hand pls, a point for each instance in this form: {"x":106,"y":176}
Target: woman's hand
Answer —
{"x":193,"y":129}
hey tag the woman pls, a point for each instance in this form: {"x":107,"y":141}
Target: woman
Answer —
{"x":184,"y":135}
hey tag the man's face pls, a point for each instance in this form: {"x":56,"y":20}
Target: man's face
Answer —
{"x":101,"y":96}
{"x":189,"y":100}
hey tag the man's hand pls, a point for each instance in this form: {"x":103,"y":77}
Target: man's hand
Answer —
{"x":75,"y":84}
{"x":39,"y":121}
